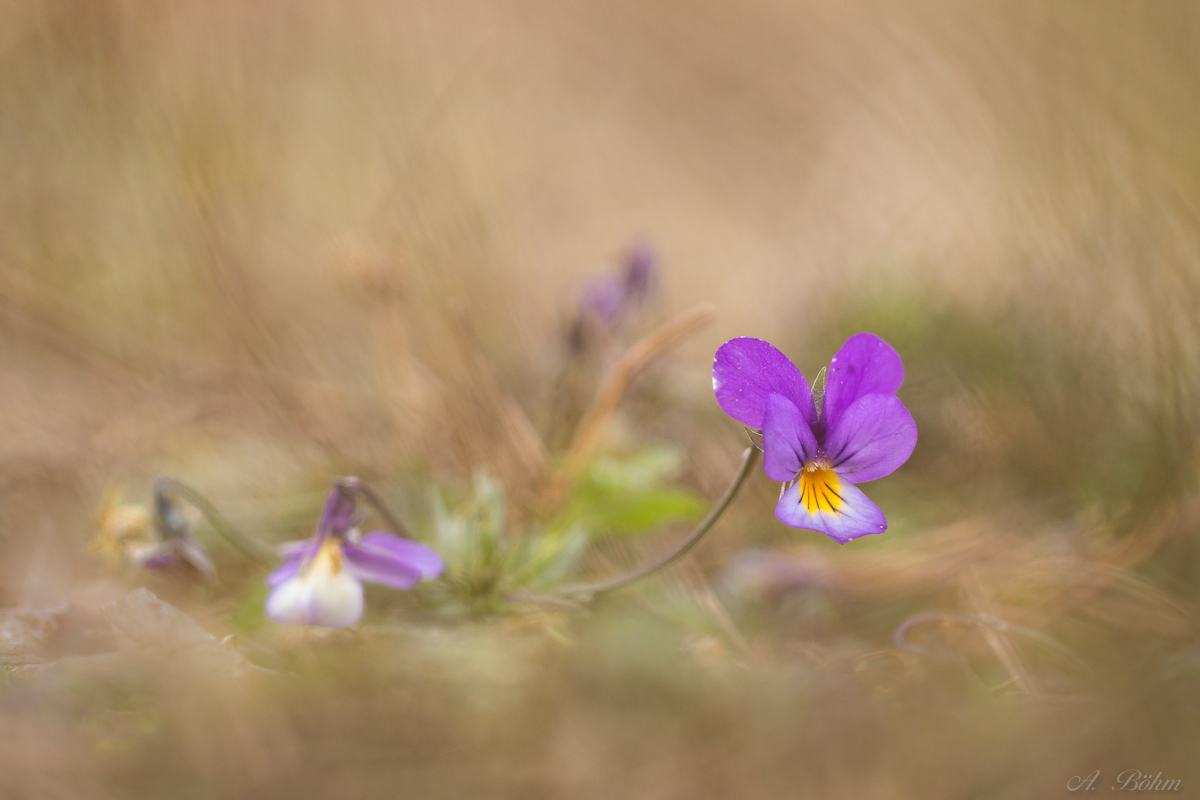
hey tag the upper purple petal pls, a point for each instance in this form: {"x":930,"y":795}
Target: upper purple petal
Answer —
{"x":285,"y":571}
{"x":298,"y":548}
{"x":874,"y":436}
{"x":376,"y":565}
{"x":745,"y":373}
{"x":864,"y":365}
{"x":340,"y":509}
{"x":788,"y":441}
{"x":421,"y":558}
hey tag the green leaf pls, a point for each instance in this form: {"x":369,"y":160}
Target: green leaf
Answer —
{"x":818,"y":391}
{"x":645,"y":511}
{"x":625,"y":496}
{"x":645,"y":469}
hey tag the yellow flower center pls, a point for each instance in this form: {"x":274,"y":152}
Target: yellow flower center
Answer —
{"x":328,"y":560}
{"x":820,"y":487}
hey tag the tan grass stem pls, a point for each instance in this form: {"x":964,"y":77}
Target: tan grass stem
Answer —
{"x":590,"y":431}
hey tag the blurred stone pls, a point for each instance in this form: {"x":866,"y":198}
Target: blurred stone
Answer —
{"x":25,"y":632}
{"x":158,"y":628}
{"x":34,"y":636}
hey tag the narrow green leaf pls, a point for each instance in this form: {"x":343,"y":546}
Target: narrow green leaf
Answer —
{"x":818,"y":391}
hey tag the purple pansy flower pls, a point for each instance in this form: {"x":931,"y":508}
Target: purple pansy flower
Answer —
{"x":176,"y":544}
{"x":609,"y":298}
{"x":861,"y":432}
{"x":320,"y":580}
{"x":640,"y":278}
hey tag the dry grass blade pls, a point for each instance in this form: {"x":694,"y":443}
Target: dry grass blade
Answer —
{"x":590,"y":430}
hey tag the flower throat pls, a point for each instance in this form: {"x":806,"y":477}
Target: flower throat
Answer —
{"x":820,"y":488}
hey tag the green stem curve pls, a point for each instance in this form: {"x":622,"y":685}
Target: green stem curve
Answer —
{"x":251,"y":548}
{"x":596,"y":588}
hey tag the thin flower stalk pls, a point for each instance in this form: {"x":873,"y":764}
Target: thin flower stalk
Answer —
{"x":252,"y":548}
{"x":596,"y":588}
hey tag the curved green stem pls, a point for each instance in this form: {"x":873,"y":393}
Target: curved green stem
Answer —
{"x":594,"y":588}
{"x":377,"y":502}
{"x":252,"y":548}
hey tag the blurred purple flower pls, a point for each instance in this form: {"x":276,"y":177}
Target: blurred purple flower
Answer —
{"x":603,"y":299}
{"x":320,"y":580}
{"x":861,"y":432}
{"x":610,"y":298}
{"x":766,"y":574}
{"x":640,"y":279}
{"x":176,"y":544}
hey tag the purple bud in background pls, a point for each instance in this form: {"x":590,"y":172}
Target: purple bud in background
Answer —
{"x":641,"y":271}
{"x":602,"y":300}
{"x":610,"y":298}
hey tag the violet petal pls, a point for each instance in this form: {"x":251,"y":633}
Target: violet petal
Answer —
{"x":421,"y":558}
{"x":288,"y":569}
{"x":874,"y":436}
{"x":602,"y":299}
{"x":340,"y":511}
{"x":376,"y":565}
{"x":788,"y":441}
{"x":864,"y":365}
{"x":746,"y":371}
{"x":300,"y":548}
{"x":157,"y":556}
{"x":641,"y":270}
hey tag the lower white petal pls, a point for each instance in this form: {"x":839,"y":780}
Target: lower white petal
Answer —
{"x":324,"y":594}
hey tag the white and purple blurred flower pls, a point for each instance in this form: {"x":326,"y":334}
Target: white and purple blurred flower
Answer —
{"x":861,"y":432}
{"x":174,"y":546}
{"x":320,"y":580}
{"x":608,"y":299}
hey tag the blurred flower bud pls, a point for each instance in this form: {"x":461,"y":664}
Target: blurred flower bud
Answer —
{"x":175,"y":532}
{"x":131,"y":534}
{"x":766,"y":576}
{"x":640,"y":280}
{"x":602,"y":300}
{"x":610,"y":299}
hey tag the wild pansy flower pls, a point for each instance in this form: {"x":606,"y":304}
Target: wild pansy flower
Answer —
{"x":320,"y":581}
{"x":159,"y":540}
{"x":178,"y":545}
{"x":860,"y":432}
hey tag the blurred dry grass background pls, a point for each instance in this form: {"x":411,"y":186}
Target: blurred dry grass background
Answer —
{"x":254,"y":245}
